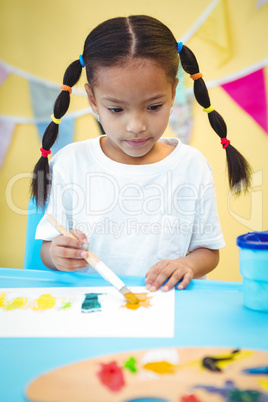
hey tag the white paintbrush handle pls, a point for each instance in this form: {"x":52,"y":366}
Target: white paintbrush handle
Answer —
{"x":109,"y":275}
{"x":91,"y":258}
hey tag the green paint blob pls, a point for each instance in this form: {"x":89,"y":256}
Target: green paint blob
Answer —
{"x":66,"y":305}
{"x":130,"y":364}
{"x":91,"y":303}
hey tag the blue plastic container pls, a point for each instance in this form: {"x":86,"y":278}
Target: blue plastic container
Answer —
{"x":253,"y":260}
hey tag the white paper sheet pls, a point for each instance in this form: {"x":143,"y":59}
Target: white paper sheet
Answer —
{"x":113,"y":320}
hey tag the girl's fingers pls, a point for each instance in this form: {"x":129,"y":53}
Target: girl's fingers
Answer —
{"x":70,"y":264}
{"x":158,"y":274}
{"x":70,"y":252}
{"x":80,"y":236}
{"x":168,"y":269}
{"x":185,"y":282}
{"x":67,"y":241}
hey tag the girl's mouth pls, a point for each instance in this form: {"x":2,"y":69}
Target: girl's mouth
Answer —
{"x":137,"y":143}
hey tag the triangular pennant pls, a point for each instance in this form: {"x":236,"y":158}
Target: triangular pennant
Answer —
{"x":250,"y":94}
{"x":65,"y":136}
{"x":6,"y":131}
{"x":4,"y":73}
{"x":181,"y":119}
{"x":216,"y":30}
{"x":261,"y":3}
{"x":42,"y":98}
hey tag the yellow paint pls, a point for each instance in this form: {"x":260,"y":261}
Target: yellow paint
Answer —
{"x":264,"y":383}
{"x":19,"y":302}
{"x":131,"y":298}
{"x":2,"y":299}
{"x":144,"y":301}
{"x":243,"y":354}
{"x":161,"y":367}
{"x":44,"y":302}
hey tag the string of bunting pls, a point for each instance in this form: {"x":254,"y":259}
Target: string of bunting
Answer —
{"x":239,"y":85}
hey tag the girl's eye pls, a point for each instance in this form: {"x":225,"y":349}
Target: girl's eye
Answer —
{"x":115,"y":109}
{"x":154,"y":107}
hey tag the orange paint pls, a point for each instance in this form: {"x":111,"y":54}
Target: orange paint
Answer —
{"x":144,"y":301}
{"x":44,"y":302}
{"x":161,"y":367}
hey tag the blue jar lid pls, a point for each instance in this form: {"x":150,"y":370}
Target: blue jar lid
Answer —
{"x":253,"y":240}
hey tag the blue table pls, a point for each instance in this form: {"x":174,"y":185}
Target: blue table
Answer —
{"x":207,"y":313}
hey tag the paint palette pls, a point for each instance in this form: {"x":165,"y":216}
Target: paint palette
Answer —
{"x":154,"y":375}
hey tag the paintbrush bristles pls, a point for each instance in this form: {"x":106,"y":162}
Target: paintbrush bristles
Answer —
{"x":131,"y":298}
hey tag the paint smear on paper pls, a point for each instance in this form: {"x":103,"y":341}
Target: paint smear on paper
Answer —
{"x":91,"y":303}
{"x":66,"y":305}
{"x":2,"y":299}
{"x":44,"y":302}
{"x":144,"y":301}
{"x":19,"y":302}
{"x":111,"y":375}
{"x":161,"y":367}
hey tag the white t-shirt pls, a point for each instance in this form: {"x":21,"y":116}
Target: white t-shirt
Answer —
{"x":134,"y":215}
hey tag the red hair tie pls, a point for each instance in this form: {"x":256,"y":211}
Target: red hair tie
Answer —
{"x":225,"y":142}
{"x":44,"y":152}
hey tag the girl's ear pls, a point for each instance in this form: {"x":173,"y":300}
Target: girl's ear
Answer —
{"x":174,"y":89}
{"x":91,"y":98}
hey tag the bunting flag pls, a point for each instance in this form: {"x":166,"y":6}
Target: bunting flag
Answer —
{"x":181,"y":118}
{"x":4,"y":73}
{"x":65,"y":136}
{"x":216,"y":30}
{"x":43,"y":98}
{"x":249,"y":92}
{"x":261,"y":3}
{"x":6,"y":131}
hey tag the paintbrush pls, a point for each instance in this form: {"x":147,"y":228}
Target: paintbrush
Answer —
{"x":99,"y":266}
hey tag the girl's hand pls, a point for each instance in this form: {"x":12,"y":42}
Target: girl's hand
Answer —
{"x":67,"y":253}
{"x":173,"y":270}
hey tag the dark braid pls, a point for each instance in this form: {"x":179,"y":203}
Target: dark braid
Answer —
{"x":239,"y":171}
{"x":41,"y":181}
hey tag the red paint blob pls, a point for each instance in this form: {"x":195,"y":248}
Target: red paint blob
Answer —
{"x":189,"y":398}
{"x":111,"y":375}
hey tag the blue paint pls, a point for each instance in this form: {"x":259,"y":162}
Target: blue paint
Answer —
{"x":231,"y":393}
{"x":256,"y":370}
{"x":91,"y":303}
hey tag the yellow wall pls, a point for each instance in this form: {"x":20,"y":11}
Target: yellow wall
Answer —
{"x":42,"y":38}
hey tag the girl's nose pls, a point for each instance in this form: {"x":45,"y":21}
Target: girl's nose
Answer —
{"x":136,"y":124}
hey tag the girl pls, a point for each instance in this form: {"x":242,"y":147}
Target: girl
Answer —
{"x":146,"y":204}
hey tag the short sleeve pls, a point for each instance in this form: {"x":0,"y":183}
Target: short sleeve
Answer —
{"x":207,"y":231}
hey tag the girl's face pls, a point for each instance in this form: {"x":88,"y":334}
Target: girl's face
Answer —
{"x":133,"y":102}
